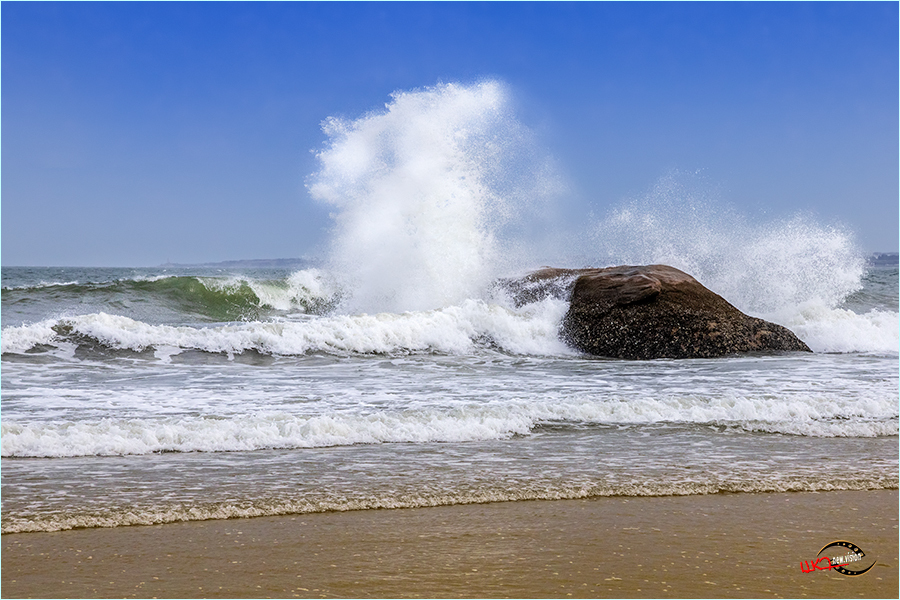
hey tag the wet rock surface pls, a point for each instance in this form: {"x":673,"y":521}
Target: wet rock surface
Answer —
{"x":654,"y":311}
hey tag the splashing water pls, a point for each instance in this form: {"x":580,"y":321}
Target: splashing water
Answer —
{"x":424,"y":191}
{"x":761,"y":268}
{"x":795,"y":271}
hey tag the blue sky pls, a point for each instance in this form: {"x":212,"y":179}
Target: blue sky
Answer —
{"x":139,"y":133}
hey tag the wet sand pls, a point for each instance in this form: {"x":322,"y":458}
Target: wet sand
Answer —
{"x":725,"y":545}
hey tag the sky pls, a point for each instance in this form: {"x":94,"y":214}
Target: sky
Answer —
{"x":135,"y":134}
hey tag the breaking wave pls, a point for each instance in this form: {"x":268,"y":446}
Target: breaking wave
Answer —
{"x":213,"y":299}
{"x":871,"y":414}
{"x":454,"y":330}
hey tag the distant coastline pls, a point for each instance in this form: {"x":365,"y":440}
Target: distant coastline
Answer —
{"x":878,"y":259}
{"x":262,"y":263}
{"x":884,"y":259}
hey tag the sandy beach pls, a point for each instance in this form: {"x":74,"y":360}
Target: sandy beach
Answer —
{"x":724,"y":545}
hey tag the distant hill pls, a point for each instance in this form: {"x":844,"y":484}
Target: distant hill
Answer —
{"x":882,"y":259}
{"x":879,"y":259}
{"x":262,"y":263}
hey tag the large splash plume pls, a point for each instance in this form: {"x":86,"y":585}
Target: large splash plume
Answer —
{"x":427,"y":193}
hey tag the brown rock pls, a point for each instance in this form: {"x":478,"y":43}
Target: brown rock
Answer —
{"x":656,"y":311}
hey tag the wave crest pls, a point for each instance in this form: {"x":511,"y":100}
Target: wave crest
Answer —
{"x":454,"y":329}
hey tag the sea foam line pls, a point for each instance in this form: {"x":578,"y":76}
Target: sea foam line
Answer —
{"x":154,"y":515}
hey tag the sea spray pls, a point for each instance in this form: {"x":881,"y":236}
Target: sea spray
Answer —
{"x":793,"y":271}
{"x":426,"y":194}
{"x":760,"y":267}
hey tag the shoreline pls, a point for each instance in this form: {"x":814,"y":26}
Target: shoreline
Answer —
{"x":723,"y":545}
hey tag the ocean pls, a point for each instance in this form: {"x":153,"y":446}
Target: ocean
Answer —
{"x":397,"y":373}
{"x":137,"y":396}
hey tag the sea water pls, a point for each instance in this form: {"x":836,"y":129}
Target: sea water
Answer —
{"x":395,"y":372}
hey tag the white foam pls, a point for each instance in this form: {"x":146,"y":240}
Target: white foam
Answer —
{"x":454,"y":329}
{"x":827,"y":329}
{"x":40,"y":284}
{"x":176,"y":512}
{"x":149,"y":278}
{"x":868,"y":413}
{"x":21,"y":339}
